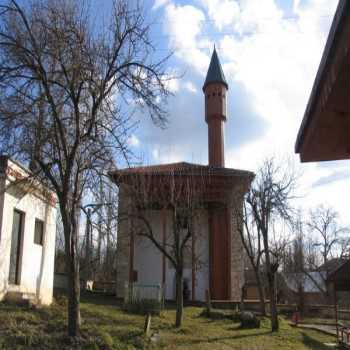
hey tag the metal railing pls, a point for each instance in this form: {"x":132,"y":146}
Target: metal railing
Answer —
{"x":144,"y":298}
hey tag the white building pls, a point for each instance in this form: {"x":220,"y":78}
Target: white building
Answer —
{"x":27,"y":235}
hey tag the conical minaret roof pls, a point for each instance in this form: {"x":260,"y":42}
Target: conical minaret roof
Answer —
{"x":215,"y":73}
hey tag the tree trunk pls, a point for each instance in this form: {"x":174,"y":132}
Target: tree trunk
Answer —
{"x":71,"y":228}
{"x":99,"y":246}
{"x":301,"y":303}
{"x":179,"y":298}
{"x":273,"y":306}
{"x":73,"y":298}
{"x":87,"y":267}
{"x":261,"y":293}
{"x":270,"y":270}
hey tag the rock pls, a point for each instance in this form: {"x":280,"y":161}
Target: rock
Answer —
{"x":249,"y":320}
{"x":155,"y":338}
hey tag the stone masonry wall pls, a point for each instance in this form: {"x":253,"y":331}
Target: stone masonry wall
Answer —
{"x":237,"y":249}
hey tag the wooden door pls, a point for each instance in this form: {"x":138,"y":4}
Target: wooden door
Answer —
{"x":16,"y":247}
{"x":219,"y":252}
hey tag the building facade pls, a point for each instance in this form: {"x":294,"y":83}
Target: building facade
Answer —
{"x":27,"y":236}
{"x":214,"y":254}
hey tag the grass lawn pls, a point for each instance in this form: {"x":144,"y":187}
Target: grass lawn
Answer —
{"x":105,"y":326}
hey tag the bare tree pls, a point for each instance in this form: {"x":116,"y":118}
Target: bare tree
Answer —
{"x":183,"y":195}
{"x":294,"y":264}
{"x":269,"y":199}
{"x":62,"y":86}
{"x":299,"y":263}
{"x":323,"y":222}
{"x":344,"y":243}
{"x":252,"y":243}
{"x":327,"y":242}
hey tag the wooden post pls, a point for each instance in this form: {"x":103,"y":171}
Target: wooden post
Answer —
{"x":335,"y":310}
{"x":229,"y":251}
{"x":164,"y":246}
{"x":193,"y":263}
{"x":131,"y":255}
{"x":147,"y":326}
{"x":208,"y":302}
{"x":242,"y":299}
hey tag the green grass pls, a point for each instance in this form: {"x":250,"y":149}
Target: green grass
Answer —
{"x":106,"y":326}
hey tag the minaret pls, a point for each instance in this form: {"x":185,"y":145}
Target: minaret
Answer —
{"x":215,"y":89}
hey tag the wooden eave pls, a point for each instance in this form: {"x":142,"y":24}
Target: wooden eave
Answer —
{"x":325,"y":130}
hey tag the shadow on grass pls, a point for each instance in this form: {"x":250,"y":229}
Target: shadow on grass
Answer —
{"x":220,"y":339}
{"x":313,"y":343}
{"x":100,"y":319}
{"x":100,"y":299}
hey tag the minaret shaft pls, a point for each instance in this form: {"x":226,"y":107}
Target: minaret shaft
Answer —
{"x":216,"y":143}
{"x":215,"y":116}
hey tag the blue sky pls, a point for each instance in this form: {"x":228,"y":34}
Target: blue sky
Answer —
{"x":270,"y":51}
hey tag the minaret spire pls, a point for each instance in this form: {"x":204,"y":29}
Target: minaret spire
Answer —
{"x":215,"y":73}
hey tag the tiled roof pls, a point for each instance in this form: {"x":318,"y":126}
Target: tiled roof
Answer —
{"x":215,"y":73}
{"x":182,"y":168}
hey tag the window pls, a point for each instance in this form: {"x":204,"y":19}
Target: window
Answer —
{"x":38,"y":232}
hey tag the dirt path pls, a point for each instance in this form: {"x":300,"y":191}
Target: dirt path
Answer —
{"x":328,"y":329}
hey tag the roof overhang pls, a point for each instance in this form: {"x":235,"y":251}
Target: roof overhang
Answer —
{"x":325,"y":130}
{"x":209,"y":183}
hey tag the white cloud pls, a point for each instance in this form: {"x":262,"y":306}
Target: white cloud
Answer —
{"x":168,"y":155}
{"x":173,"y":85}
{"x":159,"y":3}
{"x":184,"y":24}
{"x":190,"y":87}
{"x":133,"y":141}
{"x":274,"y":58}
{"x":155,"y":153}
{"x":222,"y":12}
{"x":277,"y":65}
{"x":276,"y":62}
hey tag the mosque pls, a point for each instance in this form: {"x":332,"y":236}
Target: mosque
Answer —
{"x":215,"y":261}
